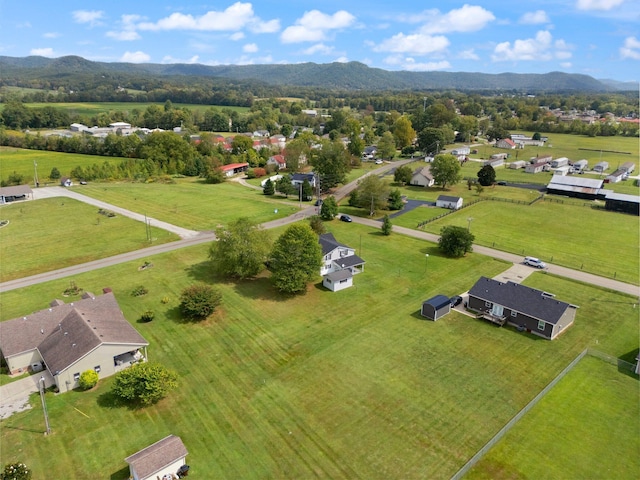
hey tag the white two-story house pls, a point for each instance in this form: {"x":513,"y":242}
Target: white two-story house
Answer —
{"x":339,"y":263}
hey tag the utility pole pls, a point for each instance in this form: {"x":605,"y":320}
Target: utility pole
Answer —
{"x":35,"y":174}
{"x":44,"y":405}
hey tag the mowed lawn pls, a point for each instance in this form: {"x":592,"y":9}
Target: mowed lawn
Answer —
{"x":22,"y":161}
{"x":585,"y":427}
{"x":597,"y":241}
{"x":352,"y":384}
{"x":192,"y":204}
{"x":48,"y":234}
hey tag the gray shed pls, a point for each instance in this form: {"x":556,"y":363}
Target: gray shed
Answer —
{"x":436,"y":307}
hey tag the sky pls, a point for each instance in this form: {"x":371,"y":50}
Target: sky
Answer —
{"x":600,"y":38}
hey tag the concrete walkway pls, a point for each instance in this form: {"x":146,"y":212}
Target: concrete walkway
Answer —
{"x":52,"y":192}
{"x":14,"y":397}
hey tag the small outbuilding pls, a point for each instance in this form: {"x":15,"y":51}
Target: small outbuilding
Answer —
{"x":163,"y":459}
{"x":436,"y":307}
{"x":446,"y":201}
{"x":338,"y":280}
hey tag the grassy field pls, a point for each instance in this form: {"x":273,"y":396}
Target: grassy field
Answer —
{"x":338,"y":385}
{"x":190,"y":203}
{"x":93,"y":108}
{"x":566,"y":437}
{"x":22,"y":161}
{"x":54,"y":233}
{"x":597,"y":241}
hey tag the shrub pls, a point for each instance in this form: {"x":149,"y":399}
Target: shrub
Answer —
{"x":144,"y":383}
{"x":199,"y":301}
{"x":15,"y":471}
{"x":88,"y":379}
{"x":164,"y":300}
{"x":139,"y":291}
{"x":147,"y":316}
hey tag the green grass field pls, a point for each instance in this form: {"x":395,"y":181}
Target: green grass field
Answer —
{"x":54,"y":233}
{"x":565,"y":436}
{"x":338,"y":385}
{"x":22,"y":161}
{"x":192,"y":204}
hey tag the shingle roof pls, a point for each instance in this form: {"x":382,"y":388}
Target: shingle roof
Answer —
{"x":350,"y":261}
{"x":15,"y":191}
{"x":447,"y":198}
{"x":87,"y":322}
{"x":514,"y":296}
{"x":329,"y":243}
{"x":339,"y":275}
{"x":155,"y":457}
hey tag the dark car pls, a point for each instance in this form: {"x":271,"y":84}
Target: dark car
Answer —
{"x":455,"y":301}
{"x":502,"y":182}
{"x":319,"y":202}
{"x":345,"y":218}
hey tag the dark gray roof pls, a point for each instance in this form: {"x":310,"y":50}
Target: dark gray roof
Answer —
{"x":525,"y":300}
{"x":438,"y":301}
{"x":350,"y":261}
{"x":88,"y":323}
{"x":448,"y":198}
{"x":329,"y":243}
{"x":339,"y":275}
{"x":301,"y":177}
{"x":155,"y":457}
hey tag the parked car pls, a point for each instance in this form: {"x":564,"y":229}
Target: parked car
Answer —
{"x":534,"y":262}
{"x":345,"y":218}
{"x":455,"y":301}
{"x":378,"y":162}
{"x":502,"y":182}
{"x":318,"y":203}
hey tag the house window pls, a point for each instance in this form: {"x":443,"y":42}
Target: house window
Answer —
{"x":514,"y":313}
{"x":76,"y":377}
{"x":487,"y":304}
{"x":97,"y":369}
{"x":541,"y":325}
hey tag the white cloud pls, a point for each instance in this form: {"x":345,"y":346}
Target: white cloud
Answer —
{"x":598,"y":4}
{"x":170,"y":59}
{"x":235,"y":17}
{"x":534,"y":18}
{"x":416,"y":44}
{"x":409,"y":63}
{"x":92,"y":17}
{"x":51,"y":35}
{"x":631,"y":48}
{"x":341,"y":60}
{"x":468,"y":18}
{"x":541,"y":47}
{"x":468,"y":55}
{"x":250,"y":48}
{"x":566,"y":65}
{"x":318,"y":49}
{"x":135,"y":57}
{"x":314,"y":25}
{"x":237,"y":36}
{"x":43,"y":52}
{"x":124,"y":35}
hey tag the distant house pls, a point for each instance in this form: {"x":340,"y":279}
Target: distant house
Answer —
{"x":370,"y":151}
{"x":78,"y":127}
{"x":628,"y":167}
{"x":311,"y":113}
{"x":15,"y":193}
{"x":506,"y":143}
{"x":518,"y":164}
{"x":298,"y":179}
{"x":234,"y":168}
{"x":339,"y":263}
{"x":535,"y":167}
{"x":446,"y":201}
{"x":436,"y":307}
{"x":70,"y":338}
{"x":524,"y":307}
{"x":601,"y":167}
{"x":122,"y":125}
{"x":422,"y":177}
{"x":66,"y":182}
{"x":163,"y":459}
{"x":494,"y":162}
{"x":277,"y":161}
{"x":461,"y":152}
{"x":616,"y":176}
{"x":261,"y":133}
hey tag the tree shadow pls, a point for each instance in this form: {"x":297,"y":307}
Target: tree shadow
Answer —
{"x":262,"y":289}
{"x":203,"y":272}
{"x":22,"y":429}
{"x":628,"y":358}
{"x":121,"y":474}
{"x":110,"y":400}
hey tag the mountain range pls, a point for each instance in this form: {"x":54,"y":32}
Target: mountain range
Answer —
{"x":351,"y":76}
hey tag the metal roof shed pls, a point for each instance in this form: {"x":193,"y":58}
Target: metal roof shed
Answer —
{"x":436,"y":307}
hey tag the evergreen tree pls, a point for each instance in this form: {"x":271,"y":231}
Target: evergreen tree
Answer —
{"x":387,"y":227}
{"x":268,"y":188}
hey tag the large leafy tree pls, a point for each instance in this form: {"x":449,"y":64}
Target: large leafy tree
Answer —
{"x":395,"y":200}
{"x":329,"y":208}
{"x":403,"y":174}
{"x":432,"y":140}
{"x":445,"y":169}
{"x":373,"y":193}
{"x":144,"y":383}
{"x":295,"y":259}
{"x":403,"y":132}
{"x":486,"y":175}
{"x":332,"y":162}
{"x":199,"y":301}
{"x":297,"y":149}
{"x":387,"y":146}
{"x":455,"y":241}
{"x":241,"y":250}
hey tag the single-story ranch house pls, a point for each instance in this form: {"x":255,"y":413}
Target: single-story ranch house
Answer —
{"x":163,"y":459}
{"x":339,"y":263}
{"x":526,"y":308}
{"x":14,"y":193}
{"x":422,"y":177}
{"x":447,"y":201}
{"x":70,"y":338}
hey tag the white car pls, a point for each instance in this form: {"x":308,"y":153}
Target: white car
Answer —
{"x":534,"y":262}
{"x":378,"y":162}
